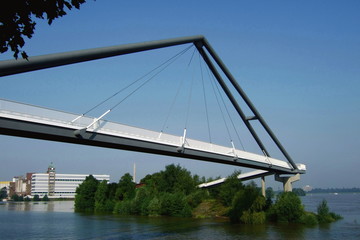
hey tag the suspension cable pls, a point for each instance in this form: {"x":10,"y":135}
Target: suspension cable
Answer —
{"x":189,"y":101}
{"x":164,"y":66}
{"x":176,"y":96}
{"x":205,"y":100}
{"x":168,"y":62}
{"x":220,"y":108}
{"x":227,"y":110}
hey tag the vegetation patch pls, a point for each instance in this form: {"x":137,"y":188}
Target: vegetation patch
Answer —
{"x":210,"y":208}
{"x":174,"y":192}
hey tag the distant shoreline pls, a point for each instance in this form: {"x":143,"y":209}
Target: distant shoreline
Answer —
{"x":334,"y":190}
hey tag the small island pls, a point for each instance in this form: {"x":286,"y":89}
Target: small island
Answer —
{"x":174,"y":192}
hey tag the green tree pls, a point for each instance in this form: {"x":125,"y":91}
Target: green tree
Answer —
{"x":324,"y":215}
{"x":173,"y":179}
{"x":196,"y":197}
{"x":174,"y":204}
{"x":270,"y":194}
{"x":153,"y":182}
{"x":126,"y":188}
{"x":248,"y":200}
{"x":3,"y":193}
{"x":15,"y":197}
{"x":123,"y":207}
{"x":177,"y":179}
{"x":45,"y":198}
{"x":154,"y":207}
{"x":36,"y":198}
{"x":16,"y":20}
{"x":229,"y":188}
{"x":141,"y":202}
{"x":101,"y":197}
{"x":299,"y":191}
{"x":85,"y":194}
{"x":287,"y":208}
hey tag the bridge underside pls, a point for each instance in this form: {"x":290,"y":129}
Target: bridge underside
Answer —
{"x":61,"y":134}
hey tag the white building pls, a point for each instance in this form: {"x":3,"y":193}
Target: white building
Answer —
{"x":56,"y":185}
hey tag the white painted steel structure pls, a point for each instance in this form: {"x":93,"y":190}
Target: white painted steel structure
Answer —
{"x":242,"y":176}
{"x":19,"y":114}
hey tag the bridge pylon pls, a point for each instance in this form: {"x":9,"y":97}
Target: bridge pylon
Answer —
{"x":287,"y":181}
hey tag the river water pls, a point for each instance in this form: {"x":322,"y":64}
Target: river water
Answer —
{"x":57,"y":220}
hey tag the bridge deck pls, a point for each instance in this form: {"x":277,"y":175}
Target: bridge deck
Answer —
{"x":18,"y":119}
{"x":243,"y":176}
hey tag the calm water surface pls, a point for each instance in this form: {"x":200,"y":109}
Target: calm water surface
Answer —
{"x":56,"y":220}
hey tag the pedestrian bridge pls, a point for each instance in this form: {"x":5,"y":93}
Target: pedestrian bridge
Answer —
{"x":24,"y":120}
{"x":19,"y":119}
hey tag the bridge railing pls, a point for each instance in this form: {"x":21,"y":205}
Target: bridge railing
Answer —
{"x":33,"y":113}
{"x":40,"y":113}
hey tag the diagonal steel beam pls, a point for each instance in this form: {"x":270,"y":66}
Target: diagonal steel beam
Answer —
{"x":248,"y":102}
{"x":232,"y":99}
{"x":10,"y":67}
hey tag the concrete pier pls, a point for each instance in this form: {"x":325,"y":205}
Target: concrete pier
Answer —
{"x":287,"y":181}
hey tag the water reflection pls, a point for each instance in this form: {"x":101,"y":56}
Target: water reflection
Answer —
{"x":57,"y":220}
{"x":56,"y":206}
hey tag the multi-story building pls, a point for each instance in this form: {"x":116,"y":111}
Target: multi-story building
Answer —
{"x":56,"y":185}
{"x":19,"y":185}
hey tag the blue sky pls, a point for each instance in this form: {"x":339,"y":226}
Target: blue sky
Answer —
{"x":298,"y":61}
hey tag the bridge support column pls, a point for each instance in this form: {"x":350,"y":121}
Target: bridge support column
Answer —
{"x":263,"y":186}
{"x":287,"y":181}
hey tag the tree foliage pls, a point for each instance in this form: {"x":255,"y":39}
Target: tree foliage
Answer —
{"x":45,"y":198}
{"x":299,"y":191}
{"x":17,"y":20}
{"x":103,"y":200}
{"x":247,"y":206}
{"x":3,"y":193}
{"x":229,"y":189}
{"x":287,"y":208}
{"x":126,"y":188}
{"x":173,"y":192}
{"x":85,"y":194}
{"x":36,"y":198}
{"x":324,"y":215}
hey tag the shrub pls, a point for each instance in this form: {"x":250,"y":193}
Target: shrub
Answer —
{"x":309,"y":219}
{"x":154,"y":207}
{"x":174,"y":204}
{"x":249,"y":217}
{"x":125,"y":188}
{"x":287,"y":208}
{"x":195,"y":198}
{"x":140,"y":202}
{"x":229,"y":189}
{"x":123,"y":207}
{"x":324,"y":215}
{"x":248,"y":199}
{"x":36,"y":198}
{"x":85,"y":194}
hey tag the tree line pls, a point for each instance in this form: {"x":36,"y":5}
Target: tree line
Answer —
{"x":174,"y":192}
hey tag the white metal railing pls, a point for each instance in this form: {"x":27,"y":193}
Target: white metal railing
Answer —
{"x":53,"y":117}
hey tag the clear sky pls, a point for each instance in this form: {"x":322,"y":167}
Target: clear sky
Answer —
{"x":298,"y":61}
